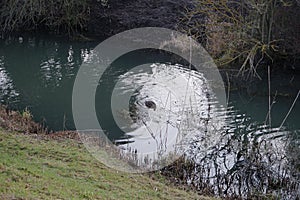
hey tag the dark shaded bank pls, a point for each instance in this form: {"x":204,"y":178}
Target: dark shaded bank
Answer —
{"x":94,"y":19}
{"x":91,"y":18}
{"x":119,"y":16}
{"x":116,"y":16}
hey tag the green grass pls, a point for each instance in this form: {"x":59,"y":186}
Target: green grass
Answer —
{"x":32,"y":167}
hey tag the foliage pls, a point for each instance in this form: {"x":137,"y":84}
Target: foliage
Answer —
{"x":67,"y":16}
{"x":26,"y":115}
{"x":19,"y":121}
{"x":238,"y":30}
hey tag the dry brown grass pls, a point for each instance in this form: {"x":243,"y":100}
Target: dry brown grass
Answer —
{"x":18,"y":121}
{"x":67,"y":16}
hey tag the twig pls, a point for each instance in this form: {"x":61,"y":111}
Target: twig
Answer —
{"x":289,"y":110}
{"x":269,"y":83}
{"x":228,"y":89}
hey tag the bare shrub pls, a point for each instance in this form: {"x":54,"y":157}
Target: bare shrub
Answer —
{"x":255,"y":164}
{"x":238,"y":31}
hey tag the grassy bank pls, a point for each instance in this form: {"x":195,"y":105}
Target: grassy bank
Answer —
{"x":37,"y":167}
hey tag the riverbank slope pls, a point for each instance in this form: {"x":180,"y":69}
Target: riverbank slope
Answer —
{"x":38,"y":167}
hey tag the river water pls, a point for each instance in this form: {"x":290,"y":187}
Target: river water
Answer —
{"x":38,"y":73}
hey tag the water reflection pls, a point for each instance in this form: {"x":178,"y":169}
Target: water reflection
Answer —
{"x":249,"y":159}
{"x":51,"y":72}
{"x":8,"y":94}
{"x":42,"y":72}
{"x":231,"y":155}
{"x":167,"y":103}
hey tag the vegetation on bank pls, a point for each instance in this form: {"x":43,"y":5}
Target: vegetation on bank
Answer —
{"x":248,"y":33}
{"x":68,"y":16}
{"x":244,"y":33}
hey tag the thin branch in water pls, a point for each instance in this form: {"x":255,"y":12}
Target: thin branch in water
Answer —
{"x":269,"y":83}
{"x":291,"y":108}
{"x":228,"y":89}
{"x":273,"y":102}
